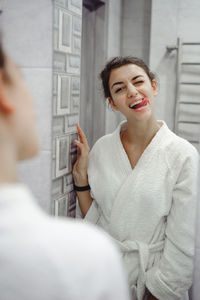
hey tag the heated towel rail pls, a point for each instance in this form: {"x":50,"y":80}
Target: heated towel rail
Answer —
{"x":187,"y":104}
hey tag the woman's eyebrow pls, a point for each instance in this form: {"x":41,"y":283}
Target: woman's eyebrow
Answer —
{"x":136,"y":77}
{"x":121,"y":82}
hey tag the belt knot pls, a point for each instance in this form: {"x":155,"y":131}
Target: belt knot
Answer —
{"x":143,"y":249}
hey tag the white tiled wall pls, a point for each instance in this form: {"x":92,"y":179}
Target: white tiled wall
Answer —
{"x":27,"y":35}
{"x":169,"y":20}
{"x":67,"y":25}
{"x":164,"y":23}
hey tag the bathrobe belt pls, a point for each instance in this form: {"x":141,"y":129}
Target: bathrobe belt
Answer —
{"x":144,"y":250}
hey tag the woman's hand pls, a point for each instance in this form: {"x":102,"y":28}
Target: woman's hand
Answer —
{"x":80,"y":167}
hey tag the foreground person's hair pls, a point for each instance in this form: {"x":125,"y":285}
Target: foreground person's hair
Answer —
{"x":3,"y":64}
{"x":2,"y":56}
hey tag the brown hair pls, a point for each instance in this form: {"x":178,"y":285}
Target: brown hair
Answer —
{"x":117,"y":62}
{"x":3,"y":64}
{"x":2,"y":57}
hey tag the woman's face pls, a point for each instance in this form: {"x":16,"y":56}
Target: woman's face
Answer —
{"x":132,"y":92}
{"x":21,"y":119}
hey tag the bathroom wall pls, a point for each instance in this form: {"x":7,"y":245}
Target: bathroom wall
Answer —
{"x":135,"y":35}
{"x":114,"y":37}
{"x":66,"y":98}
{"x":164,"y":22}
{"x":169,"y":20}
{"x":44,"y":38}
{"x":101,"y":40}
{"x":27,"y":36}
{"x":92,"y":109}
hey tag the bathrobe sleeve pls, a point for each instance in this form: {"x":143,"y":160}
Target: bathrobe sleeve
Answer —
{"x":173,"y":276}
{"x":93,"y":213}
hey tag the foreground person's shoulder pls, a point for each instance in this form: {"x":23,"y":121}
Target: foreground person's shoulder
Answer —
{"x":94,"y":259}
{"x":79,"y":232}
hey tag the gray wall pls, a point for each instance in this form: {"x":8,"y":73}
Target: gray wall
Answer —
{"x":169,"y":20}
{"x":101,"y":40}
{"x":136,"y":21}
{"x":114,"y":38}
{"x":164,"y":24}
{"x":92,"y":109}
{"x":27,"y":35}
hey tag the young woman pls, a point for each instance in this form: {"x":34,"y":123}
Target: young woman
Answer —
{"x":143,"y":181}
{"x":40,"y":257}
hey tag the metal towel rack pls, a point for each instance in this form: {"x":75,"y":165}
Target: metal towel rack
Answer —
{"x":178,"y":118}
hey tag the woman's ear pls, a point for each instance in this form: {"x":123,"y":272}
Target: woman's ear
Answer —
{"x":112,"y":104}
{"x":6,"y":104}
{"x":155,"y":87}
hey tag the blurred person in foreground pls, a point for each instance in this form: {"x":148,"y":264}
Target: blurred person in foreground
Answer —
{"x":40,"y":257}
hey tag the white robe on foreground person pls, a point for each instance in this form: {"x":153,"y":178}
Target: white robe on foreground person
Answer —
{"x":46,"y":259}
{"x":149,"y":210}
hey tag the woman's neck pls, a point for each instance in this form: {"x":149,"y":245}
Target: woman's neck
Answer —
{"x":141,"y":133}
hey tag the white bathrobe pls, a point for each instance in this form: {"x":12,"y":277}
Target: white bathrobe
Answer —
{"x":149,"y":210}
{"x":43,"y":258}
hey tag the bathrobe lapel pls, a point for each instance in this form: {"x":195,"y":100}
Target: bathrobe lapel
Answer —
{"x":124,"y":202}
{"x":126,"y":191}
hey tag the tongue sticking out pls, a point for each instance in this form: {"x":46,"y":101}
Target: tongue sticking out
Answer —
{"x":143,"y":103}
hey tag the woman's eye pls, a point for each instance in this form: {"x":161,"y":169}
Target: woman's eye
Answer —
{"x":139,"y":82}
{"x":119,"y":89}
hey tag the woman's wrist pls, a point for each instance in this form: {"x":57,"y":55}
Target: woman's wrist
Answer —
{"x":81,"y":188}
{"x":81,"y":180}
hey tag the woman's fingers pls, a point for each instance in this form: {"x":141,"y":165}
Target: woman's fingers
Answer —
{"x":83,"y":149}
{"x":82,"y":136}
{"x":81,"y":164}
{"x":82,"y":159}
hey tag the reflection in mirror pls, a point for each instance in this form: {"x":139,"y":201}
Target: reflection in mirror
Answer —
{"x":101,"y":32}
{"x":140,"y":181}
{"x":106,"y":33}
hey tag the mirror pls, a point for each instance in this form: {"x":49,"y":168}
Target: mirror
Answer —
{"x":164,"y":35}
{"x":159,"y":34}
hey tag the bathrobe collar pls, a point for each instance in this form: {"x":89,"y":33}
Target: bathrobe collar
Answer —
{"x":121,"y":153}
